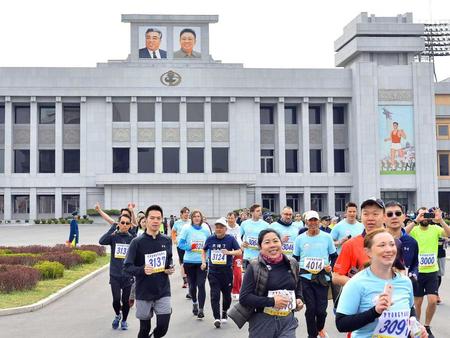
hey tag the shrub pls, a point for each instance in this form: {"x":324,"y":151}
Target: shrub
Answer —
{"x":110,"y":212}
{"x":36,"y":249}
{"x":87,"y":256}
{"x":98,"y":249}
{"x":19,"y":259}
{"x":50,"y":270}
{"x":68,"y":259}
{"x":37,"y":221}
{"x":43,"y":221}
{"x":17,"y":277}
{"x":5,"y":251}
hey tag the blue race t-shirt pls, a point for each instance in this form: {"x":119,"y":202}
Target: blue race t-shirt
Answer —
{"x":299,"y":224}
{"x":214,"y":247}
{"x":178,"y":226}
{"x":283,"y":230}
{"x":314,"y":252}
{"x":192,"y":240}
{"x":360,"y":294}
{"x":250,"y":231}
{"x":344,"y":229}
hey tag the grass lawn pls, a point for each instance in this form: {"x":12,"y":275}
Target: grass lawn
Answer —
{"x":410,"y":172}
{"x":47,"y":287}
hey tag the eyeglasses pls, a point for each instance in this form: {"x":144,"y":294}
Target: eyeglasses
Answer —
{"x":125,"y":223}
{"x":391,"y":214}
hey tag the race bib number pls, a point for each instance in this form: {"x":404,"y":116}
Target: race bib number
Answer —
{"x":284,"y":311}
{"x":157,"y":261}
{"x":392,"y":324}
{"x":121,"y":250}
{"x":313,"y":264}
{"x":197,"y":246}
{"x":288,"y":248}
{"x":218,"y":257}
{"x":252,"y":242}
{"x":427,"y":260}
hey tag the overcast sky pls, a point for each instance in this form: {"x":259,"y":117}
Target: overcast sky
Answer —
{"x":262,"y":34}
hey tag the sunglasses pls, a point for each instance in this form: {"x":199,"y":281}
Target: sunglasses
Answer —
{"x":125,"y":223}
{"x":391,"y":214}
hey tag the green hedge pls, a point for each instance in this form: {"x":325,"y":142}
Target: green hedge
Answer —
{"x":87,"y":256}
{"x":50,"y":270}
{"x":110,"y":212}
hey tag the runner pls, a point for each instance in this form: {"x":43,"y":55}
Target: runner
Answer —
{"x":427,"y":236}
{"x":235,"y":230}
{"x":149,"y":258}
{"x":119,"y":240}
{"x":220,"y":249}
{"x":441,"y":262}
{"x":325,"y":224}
{"x":347,"y":228}
{"x":176,"y":231}
{"x":287,"y":230}
{"x":377,"y":302}
{"x":250,"y":230}
{"x":312,"y":249}
{"x":298,"y":220}
{"x":192,"y":240}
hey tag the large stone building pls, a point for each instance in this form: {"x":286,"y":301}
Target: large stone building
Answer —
{"x":193,"y":131}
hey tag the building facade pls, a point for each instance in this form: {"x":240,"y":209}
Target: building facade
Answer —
{"x":184,"y":129}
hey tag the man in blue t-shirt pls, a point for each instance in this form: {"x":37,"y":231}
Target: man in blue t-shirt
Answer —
{"x":347,"y":228}
{"x":287,"y":230}
{"x":219,"y":249}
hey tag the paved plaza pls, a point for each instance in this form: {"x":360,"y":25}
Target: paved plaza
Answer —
{"x":87,"y":312}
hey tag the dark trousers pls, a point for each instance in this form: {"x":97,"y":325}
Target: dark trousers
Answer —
{"x":162,"y":325}
{"x":220,"y":281}
{"x":196,"y":280}
{"x":316,"y":301}
{"x":121,"y":292}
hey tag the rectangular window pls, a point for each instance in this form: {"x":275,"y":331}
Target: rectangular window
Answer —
{"x":21,"y":204}
{"x":170,"y":112}
{"x":318,"y":202}
{"x":269,"y":201}
{"x":314,"y":115}
{"x":121,"y":112}
{"x":399,"y":196}
{"x":71,"y":161}
{"x":2,"y":161}
{"x":290,"y":115}
{"x":71,"y":203}
{"x":293,"y":201}
{"x":22,"y":114}
{"x":46,"y":161}
{"x":2,"y":204}
{"x":146,"y":112}
{"x":291,"y":160}
{"x":339,"y":161}
{"x":443,"y":159}
{"x":46,"y":114}
{"x":46,"y":204}
{"x":266,"y":114}
{"x":219,"y":112}
{"x":267,"y":161}
{"x":194,"y":112}
{"x":2,"y":114}
{"x":338,"y":115}
{"x":340,"y":200}
{"x":146,"y":160}
{"x":195,"y":160}
{"x":22,"y":161}
{"x":219,"y":160}
{"x":121,"y":160}
{"x":315,"y":160}
{"x":71,"y":112}
{"x":171,"y":160}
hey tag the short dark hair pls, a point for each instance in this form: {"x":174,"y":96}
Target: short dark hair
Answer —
{"x":126,"y":216}
{"x":232,"y":213}
{"x":254,"y":207}
{"x":125,"y":209}
{"x":265,"y":232}
{"x":351,"y":205}
{"x":153,"y":207}
{"x":184,"y":209}
{"x":154,"y":30}
{"x":188,"y":30}
{"x":391,"y":204}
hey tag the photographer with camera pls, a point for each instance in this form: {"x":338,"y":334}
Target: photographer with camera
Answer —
{"x":427,"y":234}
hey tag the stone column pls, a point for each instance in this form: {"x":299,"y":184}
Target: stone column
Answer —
{"x":9,"y":151}
{"x":133,"y":136}
{"x":34,"y":155}
{"x":328,"y":134}
{"x":59,"y":125}
{"x":208,"y":137}
{"x":183,"y":137}
{"x":158,"y":135}
{"x":281,"y":138}
{"x":304,"y":134}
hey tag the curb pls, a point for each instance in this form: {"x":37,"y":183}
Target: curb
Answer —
{"x":50,"y":299}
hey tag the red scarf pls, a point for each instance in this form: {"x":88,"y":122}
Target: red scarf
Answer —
{"x":270,"y":260}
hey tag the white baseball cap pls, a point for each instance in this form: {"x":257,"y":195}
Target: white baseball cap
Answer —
{"x":221,"y":221}
{"x":311,"y":214}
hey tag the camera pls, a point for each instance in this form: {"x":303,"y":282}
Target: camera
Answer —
{"x":428,"y":215}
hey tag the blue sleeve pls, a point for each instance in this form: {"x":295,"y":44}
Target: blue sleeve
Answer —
{"x":182,"y":243}
{"x":241,"y":230}
{"x":207,"y":243}
{"x":331,"y":247}
{"x":297,"y":249}
{"x":350,"y":298}
{"x":234,"y":244}
{"x":335,"y":232}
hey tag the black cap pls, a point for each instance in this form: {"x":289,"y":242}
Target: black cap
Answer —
{"x":372,"y":201}
{"x":326,"y":218}
{"x":75,"y":213}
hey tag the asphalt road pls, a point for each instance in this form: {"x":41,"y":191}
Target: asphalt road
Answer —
{"x":87,"y":312}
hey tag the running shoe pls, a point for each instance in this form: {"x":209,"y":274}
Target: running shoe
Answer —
{"x":195,"y":309}
{"x":439,"y":300}
{"x":217,"y":323}
{"x":323,"y":334}
{"x":224,"y":317}
{"x":124,"y":325}
{"x":188,"y":296}
{"x":200,"y":315}
{"x":430,"y":334}
{"x":116,"y":321}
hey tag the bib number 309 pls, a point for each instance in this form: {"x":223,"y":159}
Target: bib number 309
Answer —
{"x":392,"y":325}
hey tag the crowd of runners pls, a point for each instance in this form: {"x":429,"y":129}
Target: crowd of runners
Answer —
{"x":260,"y":271}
